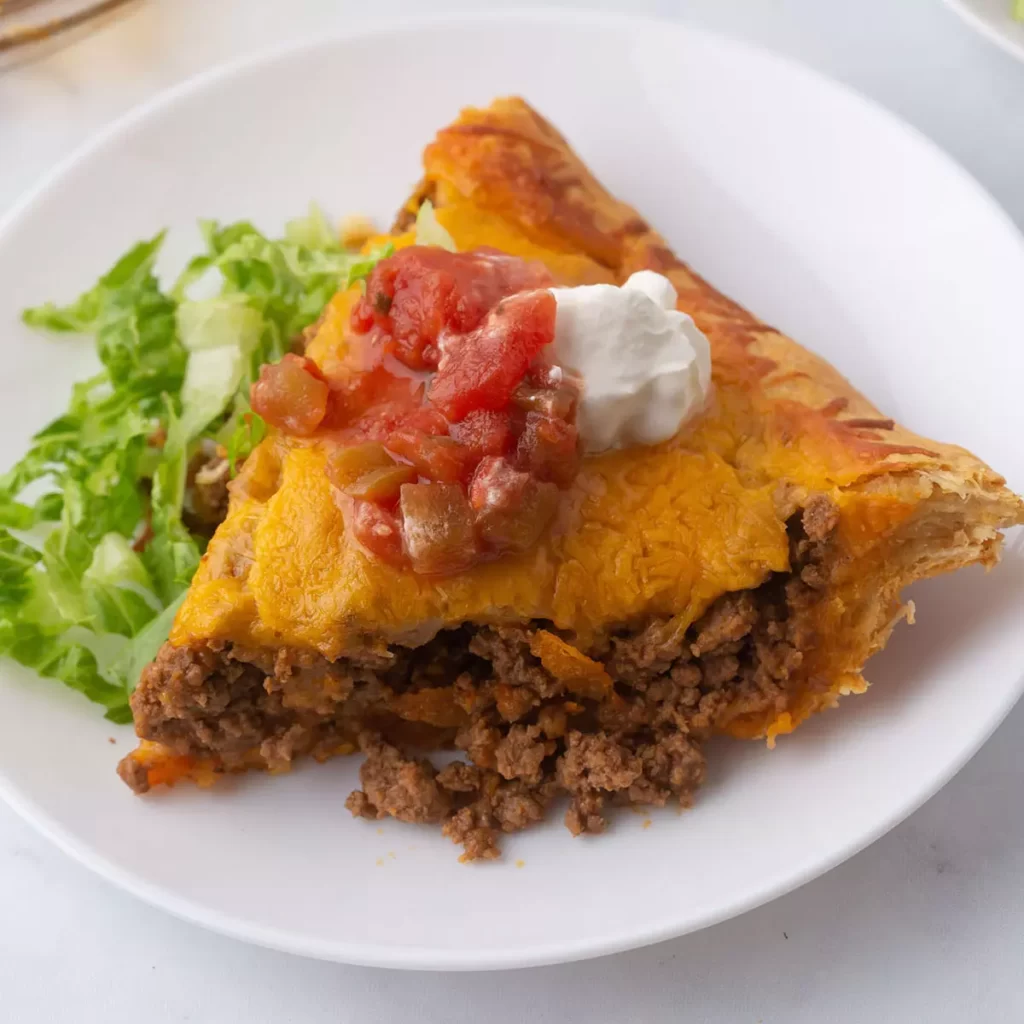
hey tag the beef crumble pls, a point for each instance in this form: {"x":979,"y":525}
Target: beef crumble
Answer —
{"x":397,"y":786}
{"x":206,"y":489}
{"x":480,"y":690}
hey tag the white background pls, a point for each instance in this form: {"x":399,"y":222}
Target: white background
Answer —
{"x":926,"y":925}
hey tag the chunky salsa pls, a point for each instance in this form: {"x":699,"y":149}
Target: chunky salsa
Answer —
{"x":453,"y":434}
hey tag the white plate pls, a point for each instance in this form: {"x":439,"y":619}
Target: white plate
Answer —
{"x":821,"y":212}
{"x":993,"y":19}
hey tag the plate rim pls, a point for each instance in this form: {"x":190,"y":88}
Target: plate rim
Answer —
{"x":418,"y":957}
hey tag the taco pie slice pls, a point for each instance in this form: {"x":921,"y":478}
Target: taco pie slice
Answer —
{"x":427,"y":553}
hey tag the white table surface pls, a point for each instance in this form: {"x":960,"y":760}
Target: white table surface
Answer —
{"x":926,"y":925}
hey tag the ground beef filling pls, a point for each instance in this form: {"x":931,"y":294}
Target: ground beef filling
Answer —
{"x":481,"y":691}
{"x":206,"y":489}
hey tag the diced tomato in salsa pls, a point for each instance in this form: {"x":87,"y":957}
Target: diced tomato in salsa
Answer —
{"x":484,"y":431}
{"x":426,"y":420}
{"x":438,"y":525}
{"x":436,"y":458}
{"x":421,"y":291}
{"x":379,"y":531}
{"x":449,"y":435}
{"x":482,"y":369}
{"x":512,"y":507}
{"x":549,"y":449}
{"x":291,"y":395}
{"x":557,"y":401}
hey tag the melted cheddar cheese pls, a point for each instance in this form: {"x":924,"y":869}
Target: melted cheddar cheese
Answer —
{"x":659,"y":531}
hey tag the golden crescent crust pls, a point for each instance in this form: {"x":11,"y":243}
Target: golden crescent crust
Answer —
{"x":658,"y":532}
{"x":509,"y":161}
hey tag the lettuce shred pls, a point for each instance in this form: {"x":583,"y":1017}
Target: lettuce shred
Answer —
{"x":95,"y":548}
{"x":430,"y":231}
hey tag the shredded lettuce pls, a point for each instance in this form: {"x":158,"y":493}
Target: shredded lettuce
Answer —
{"x":313,"y":231}
{"x":242,"y":433}
{"x":95,"y":549}
{"x":429,"y":230}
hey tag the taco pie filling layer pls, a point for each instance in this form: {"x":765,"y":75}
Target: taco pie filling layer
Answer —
{"x":465,"y":532}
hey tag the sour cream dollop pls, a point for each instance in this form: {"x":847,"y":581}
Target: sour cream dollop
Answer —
{"x":646,"y":367}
